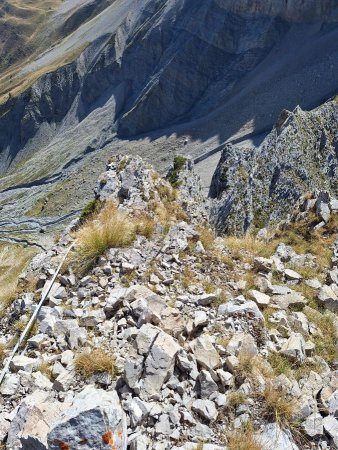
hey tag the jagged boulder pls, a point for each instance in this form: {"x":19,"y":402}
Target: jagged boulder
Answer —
{"x":256,"y":187}
{"x":93,"y":419}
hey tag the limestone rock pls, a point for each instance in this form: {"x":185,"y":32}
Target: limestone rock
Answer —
{"x":260,"y":298}
{"x":159,"y":364}
{"x":313,"y":425}
{"x":294,"y":348}
{"x":330,"y":425}
{"x":206,"y":409}
{"x":240,"y":307}
{"x":205,"y":353}
{"x":272,"y":437}
{"x":20,"y":362}
{"x":93,"y":420}
{"x":329,"y":298}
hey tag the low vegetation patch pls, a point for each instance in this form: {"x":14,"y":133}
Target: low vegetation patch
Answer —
{"x":234,"y":399}
{"x":46,"y":370}
{"x":93,"y":362}
{"x":276,"y":407}
{"x":243,"y":439}
{"x":280,"y":364}
{"x":2,"y":353}
{"x":206,"y":236}
{"x":247,"y":247}
{"x":188,"y":277}
{"x":173,"y":176}
{"x":251,"y":365}
{"x":108,"y":229}
{"x":326,"y":340}
{"x":145,"y":225}
{"x":13,"y":261}
{"x":91,"y":208}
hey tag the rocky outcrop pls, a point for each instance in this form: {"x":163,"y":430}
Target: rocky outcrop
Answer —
{"x":258,"y":187}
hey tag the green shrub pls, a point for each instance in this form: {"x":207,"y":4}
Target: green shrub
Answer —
{"x":173,"y":176}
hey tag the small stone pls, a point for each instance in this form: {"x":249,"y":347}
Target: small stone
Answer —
{"x":263,"y":264}
{"x":322,"y":207}
{"x":333,"y":403}
{"x":163,"y":425}
{"x":207,"y":384}
{"x":314,"y":283}
{"x":232,"y":364}
{"x":294,"y":348}
{"x":200,"y":319}
{"x":63,"y":382}
{"x":4,"y":427}
{"x":330,"y":425}
{"x":241,"y":307}
{"x":313,"y":425}
{"x":199,"y":247}
{"x":260,"y":298}
{"x":158,"y":364}
{"x":10,"y":384}
{"x":206,"y":299}
{"x":328,"y":298}
{"x":127,"y":268}
{"x":226,"y":378}
{"x":205,"y":352}
{"x":205,"y":409}
{"x":24,"y":363}
{"x":292,"y":275}
{"x":272,"y":437}
{"x":145,"y":338}
{"x":37,"y":341}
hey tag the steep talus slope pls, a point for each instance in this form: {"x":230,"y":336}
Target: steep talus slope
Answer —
{"x":257,"y":187}
{"x":149,"y":76}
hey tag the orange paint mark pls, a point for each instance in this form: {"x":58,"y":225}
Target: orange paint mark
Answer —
{"x":108,"y":438}
{"x":119,"y":434}
{"x":62,"y":445}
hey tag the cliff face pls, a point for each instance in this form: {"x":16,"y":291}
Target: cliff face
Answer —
{"x":255,"y":188}
{"x":292,"y":10}
{"x":147,"y":76}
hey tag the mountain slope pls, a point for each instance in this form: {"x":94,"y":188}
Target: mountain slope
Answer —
{"x":153,"y":77}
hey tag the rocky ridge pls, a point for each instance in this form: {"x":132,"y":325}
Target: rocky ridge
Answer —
{"x":178,"y":340}
{"x":259,"y":186}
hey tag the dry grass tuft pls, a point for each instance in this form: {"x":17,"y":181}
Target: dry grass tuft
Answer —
{"x":145,"y":225}
{"x":109,"y":229}
{"x":13,"y":261}
{"x":251,"y":365}
{"x":326,"y":340}
{"x":188,"y":277}
{"x":304,"y":239}
{"x":243,"y":439}
{"x":46,"y":370}
{"x":246,"y":248}
{"x":280,"y":364}
{"x":2,"y":353}
{"x":94,"y":361}
{"x":206,"y":236}
{"x":234,"y":399}
{"x":276,"y":406}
